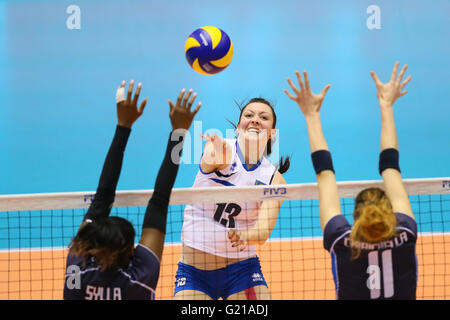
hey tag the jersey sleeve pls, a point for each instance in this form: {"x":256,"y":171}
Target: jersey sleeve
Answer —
{"x":335,"y":228}
{"x":145,"y":267}
{"x":407,"y":223}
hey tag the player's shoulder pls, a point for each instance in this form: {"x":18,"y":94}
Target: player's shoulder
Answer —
{"x":143,"y":252}
{"x":406,"y":222}
{"x":144,"y":266}
{"x":337,"y":228}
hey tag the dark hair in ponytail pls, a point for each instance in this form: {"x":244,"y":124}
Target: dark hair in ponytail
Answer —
{"x":285,"y":162}
{"x":109,"y":240}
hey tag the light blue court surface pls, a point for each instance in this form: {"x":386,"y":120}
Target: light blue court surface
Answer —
{"x":57,"y":85}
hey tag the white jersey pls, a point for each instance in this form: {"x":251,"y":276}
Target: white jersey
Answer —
{"x":206,"y":225}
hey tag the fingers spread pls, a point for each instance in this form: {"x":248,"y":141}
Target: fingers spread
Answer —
{"x":130,"y":90}
{"x":375,"y":78}
{"x":186,"y":98}
{"x":324,"y":91}
{"x":142,"y":107}
{"x":138,"y":92}
{"x":120,"y":93}
{"x":402,"y":72}
{"x":289,"y":95}
{"x":299,"y":79}
{"x":294,"y":88}
{"x":180,"y":96}
{"x":197,"y":108}
{"x":404,"y":83}
{"x":191,"y":101}
{"x":305,"y":75}
{"x":394,"y":71}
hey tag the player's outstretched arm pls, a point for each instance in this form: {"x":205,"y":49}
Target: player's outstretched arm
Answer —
{"x":387,"y":94}
{"x":155,"y":219}
{"x":310,"y":105}
{"x":127,"y":113}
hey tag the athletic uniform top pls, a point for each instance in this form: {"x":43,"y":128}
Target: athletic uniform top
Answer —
{"x":384,"y":270}
{"x":206,"y":225}
{"x":136,"y":282}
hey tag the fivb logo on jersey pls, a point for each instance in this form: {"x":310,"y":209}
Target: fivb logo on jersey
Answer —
{"x":192,"y":144}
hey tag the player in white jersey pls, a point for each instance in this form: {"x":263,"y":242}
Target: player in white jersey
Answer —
{"x":218,"y":257}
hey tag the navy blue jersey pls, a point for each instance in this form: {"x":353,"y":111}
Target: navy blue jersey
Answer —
{"x":136,"y":282}
{"x":384,"y":270}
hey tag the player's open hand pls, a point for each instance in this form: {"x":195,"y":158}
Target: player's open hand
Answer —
{"x":308,"y":101}
{"x":127,"y":110}
{"x":388,"y":93}
{"x":181,"y":115}
{"x":220,"y":151}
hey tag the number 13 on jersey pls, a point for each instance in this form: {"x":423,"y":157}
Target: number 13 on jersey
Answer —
{"x":231,"y":210}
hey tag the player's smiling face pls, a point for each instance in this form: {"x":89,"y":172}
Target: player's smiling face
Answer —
{"x":256,"y":122}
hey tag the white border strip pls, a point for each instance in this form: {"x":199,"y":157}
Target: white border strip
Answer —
{"x":174,"y":244}
{"x":135,"y":198}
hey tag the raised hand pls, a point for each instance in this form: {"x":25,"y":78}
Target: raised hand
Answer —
{"x":127,"y":110}
{"x":219,"y":152}
{"x":308,"y":102}
{"x":181,"y":115}
{"x":388,"y":93}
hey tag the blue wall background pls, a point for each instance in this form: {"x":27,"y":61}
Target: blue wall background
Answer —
{"x":57,"y":86}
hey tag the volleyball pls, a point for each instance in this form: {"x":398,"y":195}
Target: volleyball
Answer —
{"x":208,"y":50}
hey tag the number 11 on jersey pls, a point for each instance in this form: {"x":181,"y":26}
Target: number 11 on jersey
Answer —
{"x":374,"y":271}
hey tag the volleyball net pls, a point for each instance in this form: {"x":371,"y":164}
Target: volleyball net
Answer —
{"x":36,"y":229}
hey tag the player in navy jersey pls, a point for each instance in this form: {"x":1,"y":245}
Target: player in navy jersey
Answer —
{"x":103,"y":263}
{"x":375,"y":258}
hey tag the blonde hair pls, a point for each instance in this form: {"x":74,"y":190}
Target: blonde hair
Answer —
{"x":374,"y":219}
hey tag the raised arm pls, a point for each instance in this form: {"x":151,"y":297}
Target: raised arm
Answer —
{"x":155,"y":219}
{"x":389,"y":168}
{"x":310,"y":104}
{"x":127,"y":114}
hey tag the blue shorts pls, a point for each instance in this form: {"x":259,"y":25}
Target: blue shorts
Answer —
{"x":220,"y":283}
